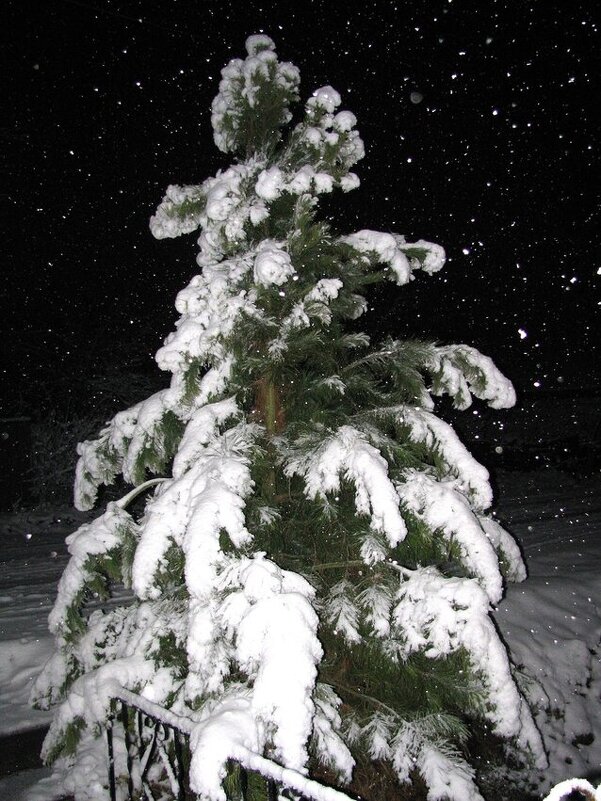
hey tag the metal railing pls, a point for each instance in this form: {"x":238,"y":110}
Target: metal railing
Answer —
{"x":147,"y":739}
{"x":155,"y":736}
{"x":152,"y":732}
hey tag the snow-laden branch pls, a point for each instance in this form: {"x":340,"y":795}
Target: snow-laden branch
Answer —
{"x":401,"y":257}
{"x":438,"y":615}
{"x":287,"y":777}
{"x":427,"y":428}
{"x":447,"y":511}
{"x":462,"y":371}
{"x":347,"y":454}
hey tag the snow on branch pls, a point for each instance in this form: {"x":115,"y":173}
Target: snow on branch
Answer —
{"x":320,"y":150}
{"x":512,"y":564}
{"x":427,"y":428}
{"x":462,"y":371}
{"x":315,"y":305}
{"x":191,"y":510}
{"x":89,"y":699}
{"x":210,"y":307}
{"x":147,"y":446}
{"x":440,"y":616}
{"x":256,"y":89}
{"x":277,"y":646}
{"x":449,"y":778}
{"x":230,"y":735}
{"x":100,"y":460}
{"x":200,"y":430}
{"x":267,"y":616}
{"x":330,"y":748}
{"x":180,"y":211}
{"x":134,"y":440}
{"x":341,"y":612}
{"x":376,"y":601}
{"x":222,"y":206}
{"x":347,"y":454}
{"x":89,"y":543}
{"x":401,"y":257}
{"x":447,"y":511}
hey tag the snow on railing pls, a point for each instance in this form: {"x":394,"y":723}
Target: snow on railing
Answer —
{"x":150,"y":731}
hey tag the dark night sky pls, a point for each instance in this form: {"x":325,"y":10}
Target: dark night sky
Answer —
{"x":109,"y":103}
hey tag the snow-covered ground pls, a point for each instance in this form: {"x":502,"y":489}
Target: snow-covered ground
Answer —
{"x":552,"y":622}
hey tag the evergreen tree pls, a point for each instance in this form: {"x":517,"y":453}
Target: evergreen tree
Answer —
{"x":314,"y":567}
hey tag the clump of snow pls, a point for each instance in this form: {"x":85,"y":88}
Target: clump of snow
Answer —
{"x":277,"y":644}
{"x":268,"y":616}
{"x":327,"y":98}
{"x":439,"y":616}
{"x":424,"y":426}
{"x":401,"y":257}
{"x":462,"y":371}
{"x":270,"y":183}
{"x":347,"y":454}
{"x":213,"y":742}
{"x":447,"y":511}
{"x":272,"y":264}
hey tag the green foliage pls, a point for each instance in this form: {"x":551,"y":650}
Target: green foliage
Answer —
{"x":159,"y":447}
{"x":170,"y":575}
{"x":192,"y":376}
{"x":170,"y":651}
{"x":67,"y":744}
{"x":253,"y":125}
{"x":242,"y":785}
{"x":369,"y":681}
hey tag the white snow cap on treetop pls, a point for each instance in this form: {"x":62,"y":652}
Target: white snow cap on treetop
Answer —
{"x":257,"y":42}
{"x":241,"y":87}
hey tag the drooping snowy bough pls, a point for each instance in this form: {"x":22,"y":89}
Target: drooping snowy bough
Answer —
{"x":313,"y":573}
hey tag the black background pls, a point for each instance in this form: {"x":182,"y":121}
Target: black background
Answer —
{"x":109,"y":102}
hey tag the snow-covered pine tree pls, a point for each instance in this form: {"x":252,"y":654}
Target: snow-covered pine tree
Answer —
{"x":314,"y":568}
